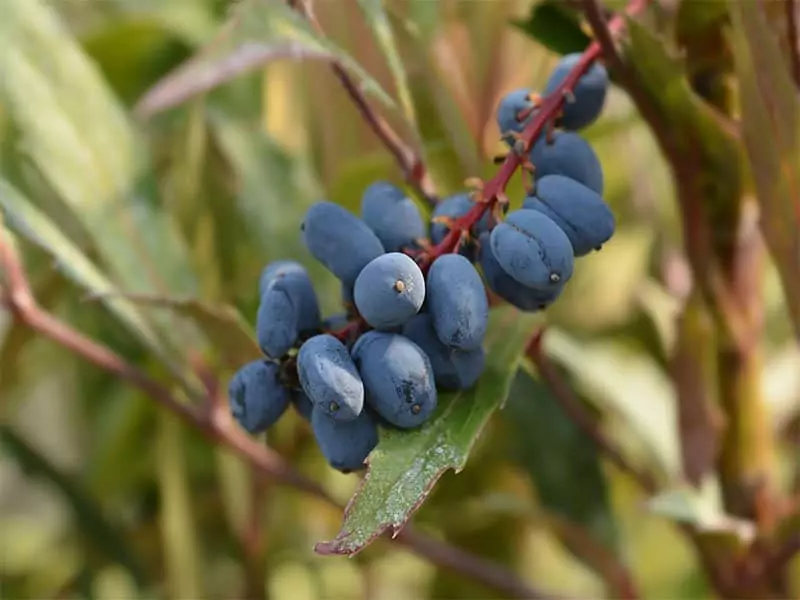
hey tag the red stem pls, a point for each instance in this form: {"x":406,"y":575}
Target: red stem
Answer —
{"x":349,"y":331}
{"x":547,"y":111}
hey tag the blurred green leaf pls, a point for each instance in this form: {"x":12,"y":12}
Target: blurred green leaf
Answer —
{"x":379,"y":23}
{"x":24,"y":218}
{"x":695,"y":18}
{"x":555,"y":26}
{"x":270,"y":199}
{"x":771,"y":128}
{"x":260,"y":31}
{"x":91,"y":522}
{"x":629,"y":385}
{"x":119,"y":465}
{"x":424,"y":18}
{"x":702,"y":508}
{"x":228,"y":333}
{"x":450,"y":146}
{"x":274,"y":190}
{"x":406,"y":464}
{"x":78,"y":137}
{"x":562,"y":462}
{"x":235,"y":478}
{"x":181,"y":548}
{"x":193,"y":22}
{"x":133,"y":53}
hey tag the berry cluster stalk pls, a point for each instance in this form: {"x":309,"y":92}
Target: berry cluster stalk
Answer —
{"x":547,"y":110}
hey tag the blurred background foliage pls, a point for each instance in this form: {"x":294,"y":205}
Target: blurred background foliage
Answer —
{"x":102,"y":495}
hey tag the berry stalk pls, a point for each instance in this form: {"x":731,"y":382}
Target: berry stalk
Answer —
{"x":494,"y":189}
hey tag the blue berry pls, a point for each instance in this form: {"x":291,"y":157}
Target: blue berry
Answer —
{"x":339,"y":240}
{"x":509,"y":108}
{"x":457,"y":302}
{"x":345,"y":445}
{"x":570,"y":155}
{"x":533,"y":249}
{"x":452,"y":369}
{"x":398,"y":378}
{"x":329,"y":378}
{"x":288,"y":307}
{"x":509,"y":289}
{"x":580,"y":212}
{"x":590,"y":92}
{"x":392,"y":215}
{"x":389,"y":291}
{"x":276,"y":323}
{"x":257,"y":398}
{"x":278,"y":269}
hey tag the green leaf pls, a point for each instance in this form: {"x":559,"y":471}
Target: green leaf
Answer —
{"x":120,"y":465}
{"x":696,"y":18}
{"x":703,"y":509}
{"x":627,"y":384}
{"x":406,"y":464}
{"x":275,"y":189}
{"x":378,"y":21}
{"x":78,"y":137}
{"x":192,"y":22}
{"x":572,"y":485}
{"x":556,"y":27}
{"x":133,"y":53}
{"x":26,"y":219}
{"x":260,"y":31}
{"x":268,"y":177}
{"x":771,"y":128}
{"x":223,"y":326}
{"x":88,"y":516}
{"x":235,"y":481}
{"x":182,"y":559}
{"x":424,"y":18}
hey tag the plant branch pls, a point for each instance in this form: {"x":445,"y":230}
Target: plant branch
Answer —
{"x":574,"y":408}
{"x":409,"y":161}
{"x":792,"y":15}
{"x":217,"y":426}
{"x":596,"y":17}
{"x":782,"y":556}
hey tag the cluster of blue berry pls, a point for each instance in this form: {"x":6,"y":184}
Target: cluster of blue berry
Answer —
{"x":416,"y":306}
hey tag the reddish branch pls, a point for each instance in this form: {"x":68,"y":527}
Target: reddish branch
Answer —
{"x":792,"y":15}
{"x":410,"y":162}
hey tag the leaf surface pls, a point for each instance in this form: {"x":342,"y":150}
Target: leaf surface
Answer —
{"x":771,"y":129}
{"x":555,"y":27}
{"x":259,"y":32}
{"x":562,"y":463}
